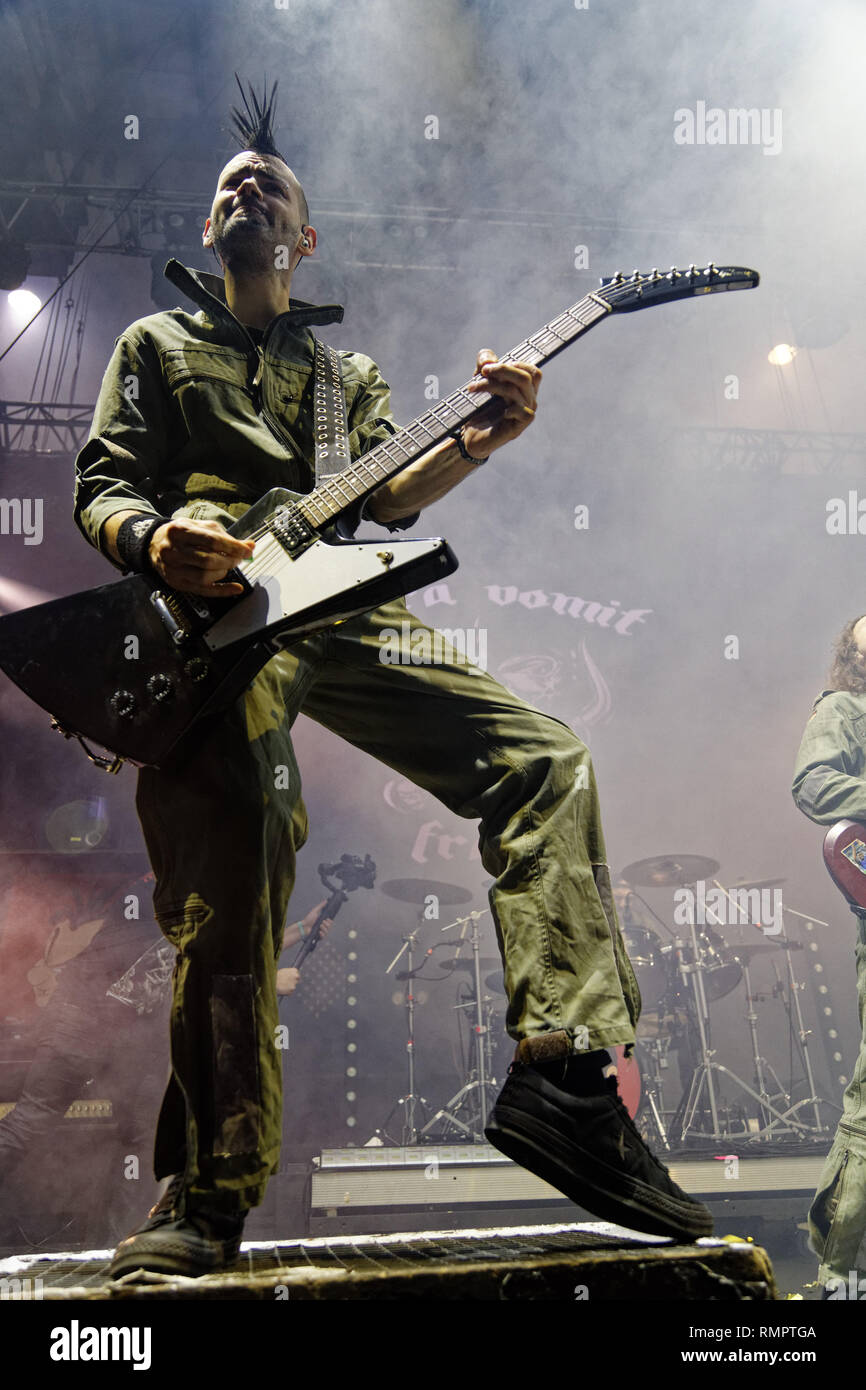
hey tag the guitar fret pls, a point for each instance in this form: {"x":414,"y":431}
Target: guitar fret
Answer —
{"x":446,"y":405}
{"x":389,"y":456}
{"x":311,"y":505}
{"x":419,"y":425}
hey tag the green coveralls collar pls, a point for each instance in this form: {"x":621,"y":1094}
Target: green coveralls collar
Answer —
{"x":209,"y":293}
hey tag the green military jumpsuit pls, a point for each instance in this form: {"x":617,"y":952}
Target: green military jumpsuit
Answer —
{"x":180,"y":429}
{"x":830,"y":785}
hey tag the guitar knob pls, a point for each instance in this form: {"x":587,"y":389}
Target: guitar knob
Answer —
{"x":196,"y":669}
{"x":123,"y":703}
{"x":160,"y":687}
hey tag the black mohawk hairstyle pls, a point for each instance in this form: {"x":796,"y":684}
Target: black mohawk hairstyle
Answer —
{"x":253,"y":125}
{"x":253,"y":128}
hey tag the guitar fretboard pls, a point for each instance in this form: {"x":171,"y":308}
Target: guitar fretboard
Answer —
{"x":366,"y":474}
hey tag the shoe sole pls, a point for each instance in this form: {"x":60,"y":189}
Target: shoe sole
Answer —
{"x":160,"y":1259}
{"x":542,"y":1151}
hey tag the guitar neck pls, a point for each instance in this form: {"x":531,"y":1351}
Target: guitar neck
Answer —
{"x":366,"y":474}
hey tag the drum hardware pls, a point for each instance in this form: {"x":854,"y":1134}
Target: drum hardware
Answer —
{"x":478,"y":1081}
{"x":410,"y":1102}
{"x":707,"y":1068}
{"x":455,"y":963}
{"x":414,"y":890}
{"x":655,"y":1050}
{"x":791,"y":1004}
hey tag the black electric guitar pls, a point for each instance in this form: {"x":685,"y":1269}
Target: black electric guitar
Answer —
{"x":133,"y":665}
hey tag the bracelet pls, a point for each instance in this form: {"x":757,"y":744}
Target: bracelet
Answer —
{"x":133,"y":538}
{"x":457,"y":436}
{"x":301,"y":933}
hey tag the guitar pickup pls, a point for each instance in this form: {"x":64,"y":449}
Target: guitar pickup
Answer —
{"x":291,"y":529}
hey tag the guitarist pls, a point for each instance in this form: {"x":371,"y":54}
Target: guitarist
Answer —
{"x":830,"y":785}
{"x":199,"y":415}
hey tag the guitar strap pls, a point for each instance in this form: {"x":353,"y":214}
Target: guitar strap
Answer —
{"x":330,"y":425}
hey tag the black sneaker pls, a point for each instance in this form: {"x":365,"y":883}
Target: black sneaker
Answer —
{"x":587,"y":1146}
{"x":181,"y":1238}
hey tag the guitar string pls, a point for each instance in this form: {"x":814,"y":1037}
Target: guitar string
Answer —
{"x":519,"y":353}
{"x":542,"y":343}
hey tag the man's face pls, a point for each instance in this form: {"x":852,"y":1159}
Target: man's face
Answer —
{"x":256,"y":207}
{"x":859,"y":635}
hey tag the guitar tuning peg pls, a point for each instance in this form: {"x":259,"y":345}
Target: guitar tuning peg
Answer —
{"x":673,"y":274}
{"x":693,"y":270}
{"x":654,"y":274}
{"x":635,"y":275}
{"x":711,"y":270}
{"x":618,"y":278}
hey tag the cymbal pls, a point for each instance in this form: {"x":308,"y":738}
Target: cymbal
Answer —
{"x":415,"y":890}
{"x":669,"y":870}
{"x":760,"y":948}
{"x":467,"y":963}
{"x":755,"y":883}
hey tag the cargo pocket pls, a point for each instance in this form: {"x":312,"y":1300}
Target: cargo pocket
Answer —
{"x":237,"y":1101}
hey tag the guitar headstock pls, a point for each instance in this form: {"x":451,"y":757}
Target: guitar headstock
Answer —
{"x":625,"y":293}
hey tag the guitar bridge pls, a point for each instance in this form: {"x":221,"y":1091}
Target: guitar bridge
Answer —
{"x":173,"y":615}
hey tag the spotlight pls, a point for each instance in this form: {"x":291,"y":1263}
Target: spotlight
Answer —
{"x":78,"y":826}
{"x":782,"y":355}
{"x":23,"y":303}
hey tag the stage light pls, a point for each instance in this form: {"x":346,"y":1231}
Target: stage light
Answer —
{"x":78,"y":826}
{"x":782,"y":355}
{"x":23,"y":303}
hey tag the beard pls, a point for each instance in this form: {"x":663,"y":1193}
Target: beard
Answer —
{"x":246,"y":245}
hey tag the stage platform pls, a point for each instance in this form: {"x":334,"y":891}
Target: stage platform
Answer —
{"x":377,"y":1189}
{"x":576,"y":1262}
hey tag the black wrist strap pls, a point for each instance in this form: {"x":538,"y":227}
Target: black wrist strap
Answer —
{"x":457,"y":436}
{"x":133,"y":538}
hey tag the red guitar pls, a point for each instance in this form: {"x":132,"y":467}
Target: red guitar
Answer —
{"x":845,"y":857}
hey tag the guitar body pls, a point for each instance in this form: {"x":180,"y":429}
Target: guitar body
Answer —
{"x":132,"y":665}
{"x":845,"y":857}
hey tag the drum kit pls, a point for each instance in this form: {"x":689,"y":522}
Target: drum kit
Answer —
{"x":683,"y":971}
{"x":681,"y":975}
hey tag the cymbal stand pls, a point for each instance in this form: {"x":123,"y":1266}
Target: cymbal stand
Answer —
{"x":761,"y":1065}
{"x":478,"y":1080}
{"x":802,"y":1034}
{"x":410,"y":1101}
{"x":703,"y":1074}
